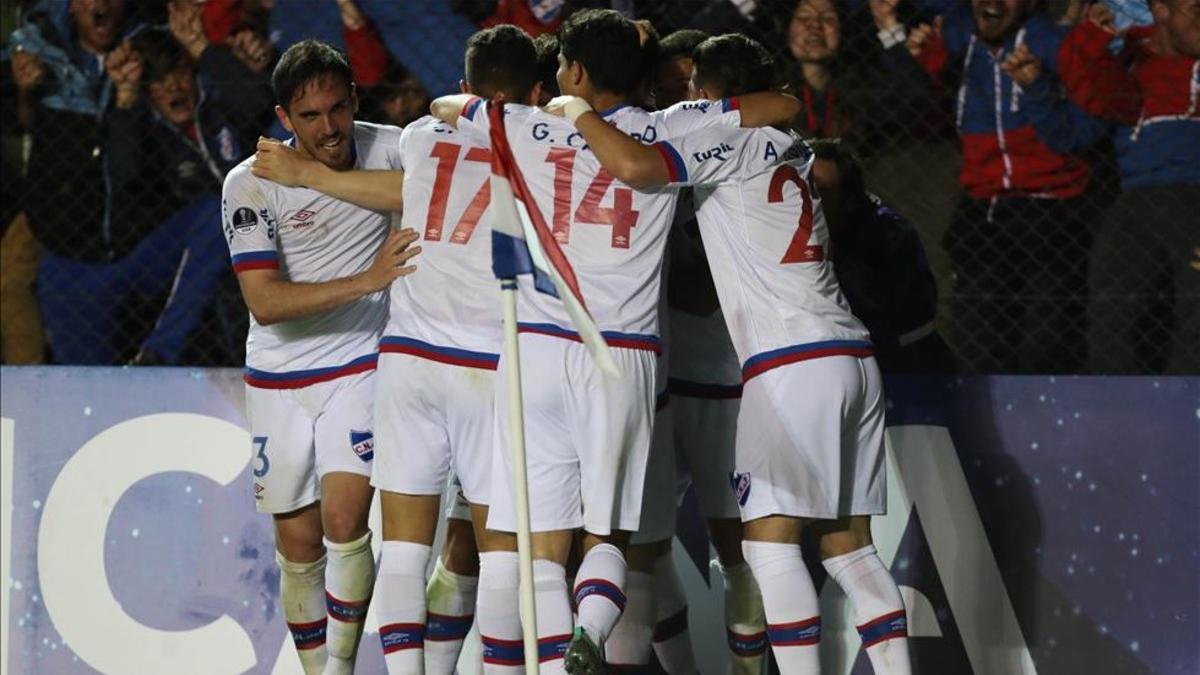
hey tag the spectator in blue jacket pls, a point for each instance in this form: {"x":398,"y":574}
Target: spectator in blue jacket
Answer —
{"x":1018,"y":243}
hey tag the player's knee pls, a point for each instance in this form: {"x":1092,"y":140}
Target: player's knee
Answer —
{"x":459,"y":555}
{"x":342,"y":526}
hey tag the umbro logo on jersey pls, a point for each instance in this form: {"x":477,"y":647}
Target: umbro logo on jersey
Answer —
{"x":302,"y":218}
{"x":717,"y":152}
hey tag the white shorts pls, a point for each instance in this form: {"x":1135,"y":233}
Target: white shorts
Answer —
{"x":433,"y":419}
{"x":705,"y":436}
{"x":810,"y":441}
{"x":587,"y":438}
{"x":658,"y":493}
{"x":299,"y":435}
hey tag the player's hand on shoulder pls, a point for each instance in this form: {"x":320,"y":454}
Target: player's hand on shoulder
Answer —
{"x":278,"y":162}
{"x":570,"y":107}
{"x":389,"y":263}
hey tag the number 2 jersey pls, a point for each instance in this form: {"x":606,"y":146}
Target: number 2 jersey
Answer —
{"x":613,"y":236}
{"x":449,"y":310}
{"x":311,"y":238}
{"x":767,"y":244}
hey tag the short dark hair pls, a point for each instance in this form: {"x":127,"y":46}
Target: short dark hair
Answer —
{"x":852,"y":184}
{"x":304,"y":62}
{"x":502,"y":59}
{"x":608,"y":47}
{"x":681,"y":43}
{"x":546,"y":45}
{"x":733,"y":64}
{"x":161,"y":53}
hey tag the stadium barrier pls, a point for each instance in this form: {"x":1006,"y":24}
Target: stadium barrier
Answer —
{"x":1035,"y":524}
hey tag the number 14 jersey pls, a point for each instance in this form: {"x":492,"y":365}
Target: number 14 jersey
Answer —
{"x":612,"y":235}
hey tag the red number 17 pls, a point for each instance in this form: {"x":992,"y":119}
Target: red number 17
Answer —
{"x":447,"y":156}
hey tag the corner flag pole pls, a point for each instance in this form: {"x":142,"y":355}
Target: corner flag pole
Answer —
{"x":516,"y":416}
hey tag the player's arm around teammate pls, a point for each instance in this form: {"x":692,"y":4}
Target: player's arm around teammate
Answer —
{"x":377,"y":189}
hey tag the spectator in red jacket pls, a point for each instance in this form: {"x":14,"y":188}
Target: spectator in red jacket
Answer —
{"x":1019,"y":240}
{"x":1144,"y":310}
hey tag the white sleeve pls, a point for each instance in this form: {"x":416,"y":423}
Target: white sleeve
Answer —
{"x":474,"y":123}
{"x":249,"y":222}
{"x":686,"y":117}
{"x":391,"y":137}
{"x":707,"y":157}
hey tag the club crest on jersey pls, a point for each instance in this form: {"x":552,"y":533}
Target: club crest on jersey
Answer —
{"x":244,"y":220}
{"x":740,"y":482}
{"x":717,"y":153}
{"x":363,"y":444}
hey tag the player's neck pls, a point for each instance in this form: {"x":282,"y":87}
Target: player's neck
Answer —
{"x":602,"y":101}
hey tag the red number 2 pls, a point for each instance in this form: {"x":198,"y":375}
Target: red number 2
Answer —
{"x":799,"y":249}
{"x":447,"y":156}
{"x":620,"y":215}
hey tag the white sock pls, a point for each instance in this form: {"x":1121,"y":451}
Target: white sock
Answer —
{"x":553,"y":615}
{"x":302,"y":594}
{"x":672,"y":642}
{"x":745,"y":625}
{"x":400,"y":602}
{"x":631,"y":639}
{"x":878,"y":608}
{"x":499,"y":613}
{"x":349,"y":578}
{"x":451,"y":611}
{"x":599,"y":590}
{"x":790,"y":603}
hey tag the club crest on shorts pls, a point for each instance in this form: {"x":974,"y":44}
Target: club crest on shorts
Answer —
{"x":740,"y":482}
{"x":363,"y":444}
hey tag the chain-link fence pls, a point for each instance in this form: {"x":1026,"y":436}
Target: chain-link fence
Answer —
{"x":1049,"y":169}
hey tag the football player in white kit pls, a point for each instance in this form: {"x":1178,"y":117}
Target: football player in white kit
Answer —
{"x":313,"y":271}
{"x":587,"y":433}
{"x":810,"y":429}
{"x":438,"y":355}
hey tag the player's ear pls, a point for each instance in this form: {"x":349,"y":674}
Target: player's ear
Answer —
{"x":463,"y":87}
{"x":284,"y":119}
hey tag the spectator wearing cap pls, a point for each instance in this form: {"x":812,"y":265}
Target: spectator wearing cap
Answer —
{"x":1018,"y":242}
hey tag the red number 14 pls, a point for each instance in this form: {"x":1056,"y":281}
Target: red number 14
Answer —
{"x":620,"y":216}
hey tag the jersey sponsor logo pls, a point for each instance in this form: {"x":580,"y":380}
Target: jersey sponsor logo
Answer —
{"x":363,"y":444}
{"x":702,"y":106}
{"x":740,"y":482}
{"x":302,"y":218}
{"x":717,"y":153}
{"x":244,"y":220}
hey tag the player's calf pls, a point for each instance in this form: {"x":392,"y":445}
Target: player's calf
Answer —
{"x":301,"y":558}
{"x":350,"y":567}
{"x":450,"y":597}
{"x":629,"y":645}
{"x":851,"y":560}
{"x":772,"y":550}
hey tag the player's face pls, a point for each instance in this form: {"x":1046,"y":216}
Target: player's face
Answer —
{"x":174,"y":96}
{"x":322,"y":118}
{"x":672,"y":80}
{"x":995,"y":19}
{"x":815,"y":31}
{"x":570,"y":82}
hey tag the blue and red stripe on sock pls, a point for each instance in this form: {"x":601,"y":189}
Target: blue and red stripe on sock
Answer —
{"x":887,"y":627}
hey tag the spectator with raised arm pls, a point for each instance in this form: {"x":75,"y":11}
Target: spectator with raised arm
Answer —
{"x":848,"y":87}
{"x":1144,"y":309}
{"x":1019,"y":239}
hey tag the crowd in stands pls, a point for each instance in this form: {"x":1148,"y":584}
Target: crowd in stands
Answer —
{"x":1075,"y":245}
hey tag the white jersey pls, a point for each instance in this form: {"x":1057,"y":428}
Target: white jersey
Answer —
{"x":767,"y":244}
{"x":450,"y":310}
{"x":311,"y":238}
{"x":612,"y":235}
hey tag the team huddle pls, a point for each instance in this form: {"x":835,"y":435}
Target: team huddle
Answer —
{"x":375,"y":363}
